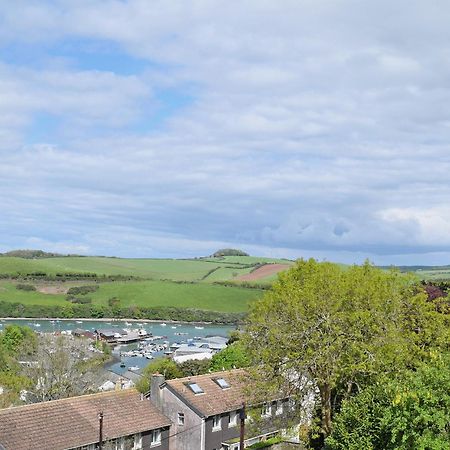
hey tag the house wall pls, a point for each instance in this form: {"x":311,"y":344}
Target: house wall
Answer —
{"x":164,"y":440}
{"x":187,"y":436}
{"x":214,"y":439}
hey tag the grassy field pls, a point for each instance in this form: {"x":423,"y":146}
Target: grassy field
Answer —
{"x":183,"y":283}
{"x":146,"y":293}
{"x":157,"y":269}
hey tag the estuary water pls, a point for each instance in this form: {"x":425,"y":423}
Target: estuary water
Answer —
{"x":167,"y":331}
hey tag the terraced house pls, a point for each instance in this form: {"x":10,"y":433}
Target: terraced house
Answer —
{"x":195,"y":413}
{"x":121,"y":419}
{"x":205,"y":411}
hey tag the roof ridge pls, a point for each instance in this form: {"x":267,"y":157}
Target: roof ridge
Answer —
{"x":68,"y":399}
{"x":208,"y":375}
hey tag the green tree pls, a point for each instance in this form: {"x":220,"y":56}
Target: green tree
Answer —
{"x":163,"y":366}
{"x":194,"y":367}
{"x":232,"y":356}
{"x":322,"y":327}
{"x":411,"y":411}
{"x":16,"y":339}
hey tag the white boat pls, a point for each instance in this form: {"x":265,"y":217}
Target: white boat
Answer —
{"x":133,"y":368}
{"x":174,"y":328}
{"x":37,"y":324}
{"x":164,"y":324}
{"x":79,"y":321}
{"x":199,"y":328}
{"x":142,"y":332}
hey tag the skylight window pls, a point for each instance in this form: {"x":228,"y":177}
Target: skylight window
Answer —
{"x":222,"y":383}
{"x":195,"y":388}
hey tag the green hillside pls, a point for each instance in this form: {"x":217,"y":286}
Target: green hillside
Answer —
{"x":142,"y":286}
{"x":156,"y":269}
{"x":147,"y":294}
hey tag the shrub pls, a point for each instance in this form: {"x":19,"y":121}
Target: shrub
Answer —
{"x":82,"y":290}
{"x":25,"y":287}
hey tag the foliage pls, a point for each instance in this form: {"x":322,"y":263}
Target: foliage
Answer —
{"x":336,"y":329}
{"x":16,"y":339}
{"x":163,"y":366}
{"x":80,"y":300}
{"x":229,"y":252}
{"x":411,"y":411}
{"x":233,"y":356}
{"x":265,"y":444}
{"x":30,"y":254}
{"x":62,"y":367}
{"x":71,"y":310}
{"x":194,"y":367}
{"x":25,"y":287}
{"x":81,"y":290}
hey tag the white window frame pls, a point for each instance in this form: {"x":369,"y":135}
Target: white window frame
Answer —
{"x":233,"y":419}
{"x":266,"y":410}
{"x":137,"y":441}
{"x":155,"y":438}
{"x":217,"y":422}
{"x":279,"y":408}
{"x":181,"y":418}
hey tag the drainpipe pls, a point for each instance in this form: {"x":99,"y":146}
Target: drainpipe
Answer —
{"x":100,"y":430}
{"x":242,"y":435}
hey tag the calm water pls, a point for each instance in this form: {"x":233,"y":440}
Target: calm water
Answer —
{"x":169,"y":332}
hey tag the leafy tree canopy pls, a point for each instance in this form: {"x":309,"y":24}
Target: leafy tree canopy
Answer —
{"x":229,"y":252}
{"x":334,"y":329}
{"x":164,"y":366}
{"x":409,"y":412}
{"x":15,"y":339}
{"x":232,"y":356}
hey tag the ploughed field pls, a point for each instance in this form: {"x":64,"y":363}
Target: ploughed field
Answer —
{"x":209,"y":284}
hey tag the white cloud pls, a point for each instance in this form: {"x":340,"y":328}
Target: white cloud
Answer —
{"x":318,"y":128}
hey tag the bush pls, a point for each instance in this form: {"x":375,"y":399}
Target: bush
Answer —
{"x":82,"y":290}
{"x":229,"y":252}
{"x":25,"y":287}
{"x":80,"y":300}
{"x":267,"y":443}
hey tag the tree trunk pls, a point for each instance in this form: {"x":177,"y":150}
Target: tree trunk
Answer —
{"x":325,"y":400}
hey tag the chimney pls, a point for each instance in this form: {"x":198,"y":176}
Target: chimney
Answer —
{"x":155,"y":390}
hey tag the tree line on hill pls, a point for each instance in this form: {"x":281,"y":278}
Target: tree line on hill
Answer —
{"x":115,"y":311}
{"x":34,"y":254}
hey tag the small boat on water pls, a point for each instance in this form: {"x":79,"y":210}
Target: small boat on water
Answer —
{"x":122,"y":364}
{"x":199,"y":328}
{"x":174,"y":328}
{"x":133,"y":368}
{"x":79,"y":321}
{"x":37,"y":324}
{"x":164,"y":324}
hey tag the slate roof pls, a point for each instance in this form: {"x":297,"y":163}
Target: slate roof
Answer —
{"x":214,"y":399}
{"x":73,"y":422}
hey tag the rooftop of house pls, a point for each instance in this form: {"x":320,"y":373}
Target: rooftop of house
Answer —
{"x":73,"y":422}
{"x":208,"y":394}
{"x":111,"y":331}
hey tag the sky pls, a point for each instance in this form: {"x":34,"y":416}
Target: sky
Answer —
{"x":155,"y":128}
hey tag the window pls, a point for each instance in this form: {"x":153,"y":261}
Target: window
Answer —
{"x":217,"y":423}
{"x":155,"y":437}
{"x":279,"y":409}
{"x":137,"y":441}
{"x":180,"y":418}
{"x":222,"y":383}
{"x":267,"y":410}
{"x":195,"y":388}
{"x":233,"y":419}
